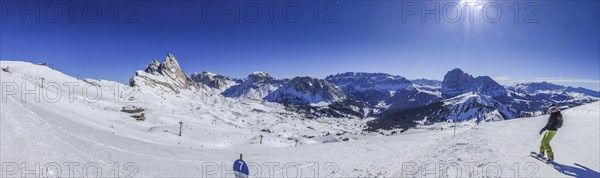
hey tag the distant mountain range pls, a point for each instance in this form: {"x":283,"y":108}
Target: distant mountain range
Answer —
{"x":396,"y":101}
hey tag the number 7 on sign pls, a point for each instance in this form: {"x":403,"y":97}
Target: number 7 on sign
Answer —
{"x":241,"y":164}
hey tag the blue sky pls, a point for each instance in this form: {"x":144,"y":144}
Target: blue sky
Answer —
{"x":563,"y":46}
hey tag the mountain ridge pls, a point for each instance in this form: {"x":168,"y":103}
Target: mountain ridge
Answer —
{"x":379,"y":95}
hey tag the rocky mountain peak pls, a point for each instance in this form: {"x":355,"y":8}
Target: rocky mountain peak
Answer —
{"x":153,"y":67}
{"x":170,"y":68}
{"x":167,"y":74}
{"x":457,"y":82}
{"x":457,"y":76}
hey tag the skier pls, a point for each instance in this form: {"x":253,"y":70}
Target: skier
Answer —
{"x":554,"y":122}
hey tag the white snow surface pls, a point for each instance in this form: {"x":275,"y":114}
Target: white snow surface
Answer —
{"x":217,"y":129}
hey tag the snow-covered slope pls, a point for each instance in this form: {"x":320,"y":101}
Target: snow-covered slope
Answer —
{"x":503,"y":147}
{"x":89,"y":119}
{"x":85,"y":129}
{"x":476,"y":106}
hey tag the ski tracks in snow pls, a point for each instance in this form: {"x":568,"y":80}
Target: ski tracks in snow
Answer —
{"x":450,"y":156}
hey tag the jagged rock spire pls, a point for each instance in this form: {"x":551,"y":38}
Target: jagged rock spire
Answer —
{"x":169,"y":75}
{"x":170,"y":68}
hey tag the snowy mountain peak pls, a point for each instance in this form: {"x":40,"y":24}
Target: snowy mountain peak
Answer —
{"x":170,"y":56}
{"x":259,"y":73}
{"x":213,"y":80}
{"x":257,"y":86}
{"x":208,"y":73}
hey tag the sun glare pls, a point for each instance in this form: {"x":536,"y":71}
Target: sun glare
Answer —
{"x":462,"y":2}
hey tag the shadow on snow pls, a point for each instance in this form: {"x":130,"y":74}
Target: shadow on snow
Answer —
{"x":576,"y":171}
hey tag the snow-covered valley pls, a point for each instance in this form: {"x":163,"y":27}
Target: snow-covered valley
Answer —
{"x":68,"y":122}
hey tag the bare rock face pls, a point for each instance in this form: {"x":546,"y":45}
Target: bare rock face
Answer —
{"x":166,"y":75}
{"x":170,"y":68}
{"x":153,"y":67}
{"x":457,"y":82}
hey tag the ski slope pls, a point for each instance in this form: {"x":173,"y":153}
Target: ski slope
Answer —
{"x":103,"y":141}
{"x":506,"y":145}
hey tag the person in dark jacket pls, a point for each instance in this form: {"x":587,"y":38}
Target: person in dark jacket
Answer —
{"x":554,"y":122}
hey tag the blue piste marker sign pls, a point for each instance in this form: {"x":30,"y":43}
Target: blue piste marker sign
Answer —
{"x":240,"y":169}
